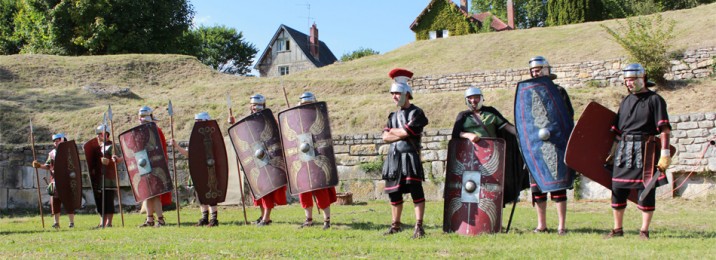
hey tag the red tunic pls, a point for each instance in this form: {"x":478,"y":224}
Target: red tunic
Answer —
{"x":324,"y":198}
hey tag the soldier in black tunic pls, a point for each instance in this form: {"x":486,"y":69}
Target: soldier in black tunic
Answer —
{"x":402,"y":170}
{"x":642,"y":114}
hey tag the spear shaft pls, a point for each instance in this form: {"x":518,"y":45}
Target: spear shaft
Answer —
{"x":174,"y":163}
{"x":37,"y":175}
{"x":116,"y":171}
{"x":241,"y":183}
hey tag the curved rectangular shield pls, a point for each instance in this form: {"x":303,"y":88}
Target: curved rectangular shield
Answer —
{"x":68,"y":175}
{"x":208,"y":165}
{"x":474,"y":186}
{"x":146,"y":162}
{"x":257,"y":143}
{"x":543,"y":127}
{"x":308,"y":147}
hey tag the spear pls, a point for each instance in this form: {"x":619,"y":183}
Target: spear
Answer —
{"x":104,"y":136}
{"x":37,"y":175}
{"x":116,"y":172}
{"x":241,"y":185}
{"x":174,"y":162}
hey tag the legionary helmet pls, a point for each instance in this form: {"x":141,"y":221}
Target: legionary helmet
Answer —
{"x":259,"y":101}
{"x":145,"y":114}
{"x":539,"y":61}
{"x":636,"y":70}
{"x":400,"y":84}
{"x":203,"y":116}
{"x":101,"y":128}
{"x":59,"y":136}
{"x":307,"y":98}
{"x":473,"y":91}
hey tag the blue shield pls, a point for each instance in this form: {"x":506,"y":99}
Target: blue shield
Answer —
{"x":543,"y":127}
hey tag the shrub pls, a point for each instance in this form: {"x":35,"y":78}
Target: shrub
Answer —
{"x":359,"y":53}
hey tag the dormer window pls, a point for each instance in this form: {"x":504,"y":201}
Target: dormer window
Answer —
{"x":283,"y":44}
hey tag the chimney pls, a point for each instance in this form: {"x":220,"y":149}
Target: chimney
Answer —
{"x":510,"y":15}
{"x":463,"y":5}
{"x":313,"y":41}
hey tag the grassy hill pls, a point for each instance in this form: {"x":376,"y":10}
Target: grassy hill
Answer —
{"x":51,"y":89}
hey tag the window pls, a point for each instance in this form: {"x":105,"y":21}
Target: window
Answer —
{"x":446,"y":33}
{"x":438,"y":34}
{"x":283,"y":70}
{"x":283,"y":44}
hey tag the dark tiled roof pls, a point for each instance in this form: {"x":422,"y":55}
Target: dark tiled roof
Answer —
{"x":325,"y":55}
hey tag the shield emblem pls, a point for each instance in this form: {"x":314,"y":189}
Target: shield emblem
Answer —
{"x":146,"y":161}
{"x":68,"y":175}
{"x":257,"y":143}
{"x":208,"y":164}
{"x":308,"y":148}
{"x":474,"y":185}
{"x":543,"y":127}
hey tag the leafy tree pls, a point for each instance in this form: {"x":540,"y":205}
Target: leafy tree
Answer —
{"x":222,"y":48}
{"x":528,"y":13}
{"x":8,"y":43}
{"x":560,"y":12}
{"x":359,"y":53}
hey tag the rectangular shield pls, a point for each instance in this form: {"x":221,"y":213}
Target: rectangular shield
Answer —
{"x":474,"y":186}
{"x":543,"y":127}
{"x":257,"y":143}
{"x":208,"y":165}
{"x":68,"y":175}
{"x":308,"y":147}
{"x":146,"y":161}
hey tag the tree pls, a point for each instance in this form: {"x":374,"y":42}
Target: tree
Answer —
{"x":359,"y":53}
{"x":222,"y":48}
{"x":561,"y":12}
{"x":8,"y":43}
{"x":528,"y":13}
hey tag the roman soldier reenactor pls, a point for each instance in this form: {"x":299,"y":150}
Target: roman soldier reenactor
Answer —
{"x":101,"y":159}
{"x":55,"y":202}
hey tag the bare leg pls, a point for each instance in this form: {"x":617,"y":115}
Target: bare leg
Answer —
{"x":396,"y":211}
{"x":72,"y":218}
{"x":327,"y":213}
{"x":618,"y":218}
{"x":541,"y":215}
{"x":56,"y":218}
{"x":646,"y":220}
{"x":158,"y":207}
{"x":108,"y":219}
{"x":149,"y":206}
{"x":562,"y":214}
{"x":213,"y":209}
{"x":267,"y":215}
{"x":419,"y":211}
{"x":309,"y":212}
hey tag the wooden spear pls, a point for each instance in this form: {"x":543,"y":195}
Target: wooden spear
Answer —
{"x":37,"y":175}
{"x":174,"y":162}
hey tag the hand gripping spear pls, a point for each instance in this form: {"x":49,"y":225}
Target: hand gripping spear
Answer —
{"x":37,"y":175}
{"x":116,"y":173}
{"x":174,"y":162}
{"x":232,"y":120}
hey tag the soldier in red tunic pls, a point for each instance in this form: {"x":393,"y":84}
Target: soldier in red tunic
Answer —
{"x":104,"y":184}
{"x":154,"y":205}
{"x":55,"y":202}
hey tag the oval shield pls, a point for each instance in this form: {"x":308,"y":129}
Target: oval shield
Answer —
{"x":208,"y":164}
{"x":257,"y":143}
{"x":474,"y":186}
{"x":543,"y":127}
{"x":308,"y":147}
{"x":146,"y":162}
{"x":68,"y":175}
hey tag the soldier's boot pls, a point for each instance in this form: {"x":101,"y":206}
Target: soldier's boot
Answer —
{"x":160,"y":222}
{"x":419,"y":231}
{"x":644,"y":235}
{"x":619,"y":232}
{"x":327,"y":224}
{"x":307,"y":223}
{"x":214,"y":221}
{"x":148,"y":223}
{"x":56,"y":225}
{"x":395,"y":227}
{"x":204,"y":220}
{"x":72,"y":225}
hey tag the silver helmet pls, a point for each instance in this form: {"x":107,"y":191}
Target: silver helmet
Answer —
{"x":400,"y":84}
{"x":59,"y":136}
{"x":145,"y":114}
{"x":635,"y":70}
{"x":259,"y":101}
{"x":472,"y":91}
{"x":202,"y":116}
{"x":307,"y":98}
{"x":539,"y":61}
{"x":101,"y":128}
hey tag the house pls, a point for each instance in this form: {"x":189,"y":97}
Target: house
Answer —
{"x":444,"y":18}
{"x":291,"y":51}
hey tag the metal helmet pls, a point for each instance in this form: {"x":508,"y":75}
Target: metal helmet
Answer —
{"x":58,"y":136}
{"x":539,"y":61}
{"x":400,"y":84}
{"x":307,"y":98}
{"x":202,"y":116}
{"x":472,"y":91}
{"x":145,"y":114}
{"x":259,"y":101}
{"x":635,"y":70}
{"x":101,"y":128}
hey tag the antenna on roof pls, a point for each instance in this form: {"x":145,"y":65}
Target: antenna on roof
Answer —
{"x":308,"y":18}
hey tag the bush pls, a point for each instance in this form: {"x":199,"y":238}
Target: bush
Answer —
{"x":647,"y":41}
{"x":359,"y":53}
{"x":372,"y":167}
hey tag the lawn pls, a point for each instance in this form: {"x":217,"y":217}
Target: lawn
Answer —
{"x":681,"y":228}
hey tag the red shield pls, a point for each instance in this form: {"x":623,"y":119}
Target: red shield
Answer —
{"x":208,"y":165}
{"x":68,"y":175}
{"x":308,"y":148}
{"x":146,"y":161}
{"x":257,"y":143}
{"x":474,"y":185}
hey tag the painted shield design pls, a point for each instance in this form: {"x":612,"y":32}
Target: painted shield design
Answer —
{"x":257,"y":143}
{"x":474,"y":186}
{"x":308,"y":148}
{"x":543,"y":127}
{"x":146,"y":161}
{"x":208,"y":165}
{"x":68,"y":175}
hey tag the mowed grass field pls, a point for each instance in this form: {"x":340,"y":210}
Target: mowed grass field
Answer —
{"x":681,"y":228}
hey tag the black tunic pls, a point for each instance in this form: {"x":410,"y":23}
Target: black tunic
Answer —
{"x":640,"y":116}
{"x":402,"y":164}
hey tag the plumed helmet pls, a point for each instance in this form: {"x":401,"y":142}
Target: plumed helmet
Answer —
{"x":257,"y":99}
{"x":307,"y":97}
{"x":58,"y":136}
{"x":472,"y":91}
{"x":203,"y":116}
{"x":145,"y":113}
{"x":400,"y":84}
{"x":101,"y":128}
{"x":634,"y":70}
{"x":541,"y":62}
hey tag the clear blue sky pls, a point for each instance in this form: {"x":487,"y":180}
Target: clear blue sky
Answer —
{"x":343,"y":25}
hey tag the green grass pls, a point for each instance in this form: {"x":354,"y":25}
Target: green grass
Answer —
{"x":681,"y":228}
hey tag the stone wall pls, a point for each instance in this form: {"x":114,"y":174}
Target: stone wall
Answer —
{"x":694,"y":64}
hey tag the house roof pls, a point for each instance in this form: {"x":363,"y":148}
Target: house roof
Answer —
{"x":497,"y":24}
{"x":430,"y":5}
{"x":325,"y":55}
